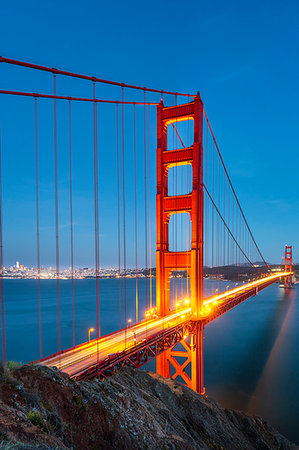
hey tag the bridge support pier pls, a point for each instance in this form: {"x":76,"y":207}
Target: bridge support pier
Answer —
{"x":186,"y":362}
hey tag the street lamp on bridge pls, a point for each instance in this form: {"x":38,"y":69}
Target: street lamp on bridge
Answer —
{"x":90,"y":331}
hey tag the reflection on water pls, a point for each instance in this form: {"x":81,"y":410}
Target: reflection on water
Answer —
{"x":250,"y":359}
{"x":250,"y":352}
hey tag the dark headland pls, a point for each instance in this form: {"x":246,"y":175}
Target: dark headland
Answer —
{"x":43,"y":408}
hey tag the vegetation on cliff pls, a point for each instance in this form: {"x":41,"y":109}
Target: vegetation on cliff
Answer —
{"x":43,"y":408}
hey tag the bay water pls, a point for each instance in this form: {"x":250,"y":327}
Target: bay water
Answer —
{"x":251,"y":353}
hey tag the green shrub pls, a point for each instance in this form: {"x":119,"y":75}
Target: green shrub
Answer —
{"x":6,"y":375}
{"x":11,"y":365}
{"x":36,"y":419}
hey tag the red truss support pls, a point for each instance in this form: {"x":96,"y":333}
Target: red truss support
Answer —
{"x":163,"y":343}
{"x":191,"y":260}
{"x":235,"y":300}
{"x":288,"y":262}
{"x":139,"y":354}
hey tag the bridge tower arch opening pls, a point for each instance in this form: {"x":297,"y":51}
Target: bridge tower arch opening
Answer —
{"x":191,"y":260}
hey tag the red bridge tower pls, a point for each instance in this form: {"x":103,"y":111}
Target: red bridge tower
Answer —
{"x":190,"y":260}
{"x":288,"y":262}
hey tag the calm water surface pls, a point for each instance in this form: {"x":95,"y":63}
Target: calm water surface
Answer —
{"x":251,"y":353}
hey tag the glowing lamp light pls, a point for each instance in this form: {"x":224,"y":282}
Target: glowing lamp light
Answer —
{"x":91,"y":330}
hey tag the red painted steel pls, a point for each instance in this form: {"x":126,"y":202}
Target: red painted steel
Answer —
{"x":37,"y":230}
{"x":56,"y":219}
{"x":71,"y":220}
{"x":135,"y":204}
{"x":233,"y":190}
{"x":167,"y":262}
{"x":145,"y":200}
{"x":288,"y":262}
{"x":96,"y":211}
{"x":228,"y":229}
{"x":139,"y":354}
{"x":124,"y":207}
{"x":159,"y":344}
{"x":162,"y":344}
{"x":230,"y":303}
{"x":77,"y":99}
{"x":86,"y":77}
{"x":118,"y":215}
{"x":1,"y":266}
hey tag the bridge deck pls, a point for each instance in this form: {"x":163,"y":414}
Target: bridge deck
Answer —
{"x":133,"y":344}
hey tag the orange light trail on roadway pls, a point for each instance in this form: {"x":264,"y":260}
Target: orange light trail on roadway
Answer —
{"x":224,"y":295}
{"x":77,"y":359}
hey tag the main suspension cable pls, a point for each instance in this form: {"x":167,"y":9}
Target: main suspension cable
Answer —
{"x":233,"y":190}
{"x":86,"y":77}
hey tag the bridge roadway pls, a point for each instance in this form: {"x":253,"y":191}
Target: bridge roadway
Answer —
{"x":77,"y":360}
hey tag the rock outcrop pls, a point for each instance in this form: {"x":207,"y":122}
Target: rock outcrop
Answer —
{"x":43,"y":408}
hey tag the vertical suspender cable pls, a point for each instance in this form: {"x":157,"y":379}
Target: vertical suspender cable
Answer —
{"x":241,"y":245}
{"x":56,"y":219}
{"x":37,"y":230}
{"x":188,"y":216}
{"x":96,"y":214}
{"x":71,"y":220}
{"x":173,"y":225}
{"x":228,"y":240}
{"x":149,"y":209}
{"x":124,"y":210}
{"x":176,"y":205}
{"x":136,"y":240}
{"x":244,"y":247}
{"x":224,"y":238}
{"x":118,"y":216}
{"x":213,"y":221}
{"x":236,"y":236}
{"x":219,"y":227}
{"x":234,"y":233}
{"x":182,"y":216}
{"x":237,"y":248}
{"x":206,"y":213}
{"x":145,"y":204}
{"x":1,"y":266}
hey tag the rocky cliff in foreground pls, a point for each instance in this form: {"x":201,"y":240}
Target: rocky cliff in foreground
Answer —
{"x":42,"y":408}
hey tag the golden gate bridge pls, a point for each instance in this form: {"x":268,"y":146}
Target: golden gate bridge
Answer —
{"x":207,"y":259}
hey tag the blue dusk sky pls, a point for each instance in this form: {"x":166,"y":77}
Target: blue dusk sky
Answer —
{"x":241,"y":56}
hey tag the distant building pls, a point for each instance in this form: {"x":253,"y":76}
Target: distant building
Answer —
{"x":17,"y":265}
